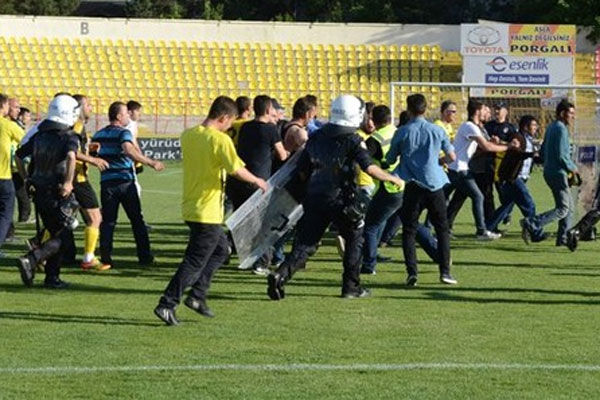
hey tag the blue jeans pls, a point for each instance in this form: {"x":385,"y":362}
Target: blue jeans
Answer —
{"x":383,"y":206}
{"x":465,"y":186}
{"x":563,"y":208}
{"x":512,"y":193}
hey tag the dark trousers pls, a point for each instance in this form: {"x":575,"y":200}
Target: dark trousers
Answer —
{"x":7,"y":205}
{"x":112,"y":195}
{"x":23,"y":202}
{"x":317,"y":216}
{"x":485,"y":182}
{"x":392,"y":226}
{"x":416,"y":199}
{"x":206,"y":251}
{"x":52,"y":250}
{"x":592,"y":217}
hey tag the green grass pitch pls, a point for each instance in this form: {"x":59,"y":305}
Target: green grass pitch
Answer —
{"x":524,"y":322}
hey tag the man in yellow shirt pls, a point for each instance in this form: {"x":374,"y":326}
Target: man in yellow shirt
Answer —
{"x":9,"y":133}
{"x":208,"y":154}
{"x":447,"y":118}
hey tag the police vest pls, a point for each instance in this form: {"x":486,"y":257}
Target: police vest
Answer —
{"x":362,"y":178}
{"x":384,"y":137}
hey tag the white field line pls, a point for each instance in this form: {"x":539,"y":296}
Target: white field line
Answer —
{"x":168,"y":173}
{"x":174,"y":192}
{"x":302,"y":367}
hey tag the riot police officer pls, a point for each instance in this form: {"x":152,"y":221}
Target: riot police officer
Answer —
{"x":52,"y":151}
{"x":328,"y":164}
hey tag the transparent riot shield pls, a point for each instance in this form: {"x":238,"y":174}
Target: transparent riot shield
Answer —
{"x":265,"y":217}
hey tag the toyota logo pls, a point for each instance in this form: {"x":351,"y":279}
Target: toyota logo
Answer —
{"x":498,"y":64}
{"x":483,"y":36}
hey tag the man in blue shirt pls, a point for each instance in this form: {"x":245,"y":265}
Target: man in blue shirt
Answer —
{"x":557,"y":166}
{"x":418,"y":144}
{"x":117,"y":183}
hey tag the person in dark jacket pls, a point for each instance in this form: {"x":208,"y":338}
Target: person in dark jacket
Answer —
{"x":332,"y":195}
{"x":52,"y":151}
{"x":513,"y":174}
{"x":583,"y":229}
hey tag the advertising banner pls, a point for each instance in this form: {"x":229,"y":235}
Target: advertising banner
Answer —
{"x":518,"y":40}
{"x":517,"y":54}
{"x":518,"y":70}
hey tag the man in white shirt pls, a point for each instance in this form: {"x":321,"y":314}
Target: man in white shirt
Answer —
{"x":468,"y":138}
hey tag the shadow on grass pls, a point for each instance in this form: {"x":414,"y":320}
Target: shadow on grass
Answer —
{"x":449,"y":296}
{"x":73,"y":319}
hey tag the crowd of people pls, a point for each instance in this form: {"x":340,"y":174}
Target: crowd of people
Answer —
{"x":362,"y":177}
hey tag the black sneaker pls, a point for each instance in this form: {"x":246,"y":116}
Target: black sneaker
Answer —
{"x":541,"y":238}
{"x":147,"y":261}
{"x":411,"y":280}
{"x":27,"y":269}
{"x":525,"y":232}
{"x":359,"y":294}
{"x":199,"y":306}
{"x":367,"y":271}
{"x":275,"y":286}
{"x":56,"y":283}
{"x":167,"y":315}
{"x":572,"y":239}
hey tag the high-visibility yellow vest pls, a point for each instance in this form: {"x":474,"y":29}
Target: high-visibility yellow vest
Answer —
{"x":384,"y":138}
{"x":362,"y":178}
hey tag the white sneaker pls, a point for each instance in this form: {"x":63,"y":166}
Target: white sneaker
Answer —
{"x":448,"y":280}
{"x":488,"y":235}
{"x":262,"y":271}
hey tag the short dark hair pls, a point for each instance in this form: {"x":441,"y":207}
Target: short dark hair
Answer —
{"x":133,"y":105}
{"x":79,"y":98}
{"x":61,"y":94}
{"x":113,"y":110}
{"x":3,"y":99}
{"x":382,"y":115}
{"x":261,"y":104}
{"x":243,"y":103}
{"x":301,"y":107}
{"x":222,"y":105}
{"x":416,"y":104}
{"x":525,"y":121}
{"x":369,"y":106}
{"x":473,"y":106}
{"x":564,"y":105}
{"x":446,"y":104}
{"x":312,"y":99}
{"x":403,"y":118}
{"x":24,"y":110}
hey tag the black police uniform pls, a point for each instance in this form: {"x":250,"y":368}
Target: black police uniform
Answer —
{"x":585,"y":228}
{"x":48,"y":150}
{"x":328,"y":161}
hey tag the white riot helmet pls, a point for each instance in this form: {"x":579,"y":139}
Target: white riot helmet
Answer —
{"x":64,"y":110}
{"x":347,"y":110}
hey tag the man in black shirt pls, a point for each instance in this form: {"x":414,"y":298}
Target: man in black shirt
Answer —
{"x":499,"y":128}
{"x":52,"y":150}
{"x":258,"y":140}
